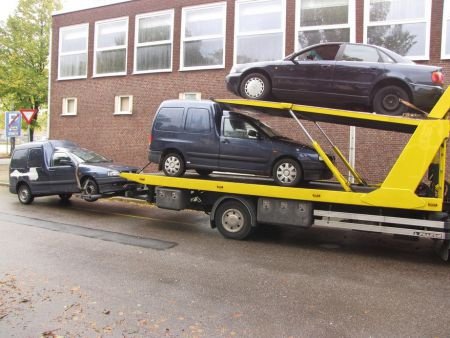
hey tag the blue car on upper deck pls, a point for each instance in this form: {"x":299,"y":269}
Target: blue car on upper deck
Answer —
{"x":341,"y":74}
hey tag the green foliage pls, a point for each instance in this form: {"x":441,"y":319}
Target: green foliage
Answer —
{"x":24,"y":48}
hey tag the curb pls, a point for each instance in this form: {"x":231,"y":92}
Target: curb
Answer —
{"x":4,"y":184}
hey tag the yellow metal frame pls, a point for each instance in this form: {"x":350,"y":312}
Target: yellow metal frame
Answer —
{"x":427,"y":145}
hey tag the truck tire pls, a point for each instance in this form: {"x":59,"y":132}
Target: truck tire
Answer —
{"x":232,"y":219}
{"x":173,"y":165}
{"x":255,"y":86}
{"x":287,"y":172}
{"x":24,"y":194}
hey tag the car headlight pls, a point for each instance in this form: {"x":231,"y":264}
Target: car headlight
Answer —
{"x":113,"y":173}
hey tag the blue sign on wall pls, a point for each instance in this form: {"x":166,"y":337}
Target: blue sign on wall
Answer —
{"x":13,"y":123}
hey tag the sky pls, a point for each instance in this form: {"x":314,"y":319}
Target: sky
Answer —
{"x":7,"y":7}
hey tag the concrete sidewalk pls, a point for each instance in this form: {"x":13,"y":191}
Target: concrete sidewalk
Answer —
{"x":4,"y":171}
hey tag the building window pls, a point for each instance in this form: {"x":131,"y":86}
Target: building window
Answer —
{"x":445,"y":45}
{"x":399,"y":26}
{"x":324,"y":21}
{"x":123,"y":104}
{"x":203,"y":37}
{"x":111,"y":38}
{"x":259,"y":30}
{"x":154,"y":37}
{"x":73,"y":52}
{"x":69,"y":106}
{"x":190,"y":96}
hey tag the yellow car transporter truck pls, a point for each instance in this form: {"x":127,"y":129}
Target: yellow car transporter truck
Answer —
{"x":399,"y":205}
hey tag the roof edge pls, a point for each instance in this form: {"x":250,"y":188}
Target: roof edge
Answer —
{"x":67,"y":11}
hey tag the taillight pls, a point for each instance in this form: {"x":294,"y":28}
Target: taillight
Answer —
{"x":437,"y":78}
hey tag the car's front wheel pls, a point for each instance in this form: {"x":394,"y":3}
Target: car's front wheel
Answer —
{"x":90,"y":189}
{"x":173,"y":165}
{"x":287,"y":172}
{"x":387,"y":100}
{"x":255,"y":86}
{"x":24,"y":194}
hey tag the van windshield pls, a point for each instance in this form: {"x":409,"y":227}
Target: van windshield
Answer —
{"x":267,"y":129}
{"x":88,"y":156}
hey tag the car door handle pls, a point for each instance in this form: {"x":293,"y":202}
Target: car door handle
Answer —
{"x":325,"y":66}
{"x":225,"y":141}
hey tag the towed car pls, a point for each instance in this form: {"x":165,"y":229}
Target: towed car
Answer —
{"x":341,"y":74}
{"x":59,"y":167}
{"x":201,"y":135}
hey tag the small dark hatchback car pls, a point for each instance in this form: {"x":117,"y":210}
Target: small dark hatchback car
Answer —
{"x":200,"y":135}
{"x":62,"y":168}
{"x":341,"y":74}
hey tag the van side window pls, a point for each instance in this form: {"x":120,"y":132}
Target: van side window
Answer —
{"x":169,"y":119}
{"x":236,"y":128}
{"x":19,"y":159}
{"x":197,"y":121}
{"x":57,"y":157}
{"x":35,"y":158}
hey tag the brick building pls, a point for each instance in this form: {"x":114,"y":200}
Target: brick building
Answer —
{"x":111,"y":66}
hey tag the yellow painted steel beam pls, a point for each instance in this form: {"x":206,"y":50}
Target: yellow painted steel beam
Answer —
{"x":441,"y":108}
{"x":329,"y":115}
{"x":297,"y":193}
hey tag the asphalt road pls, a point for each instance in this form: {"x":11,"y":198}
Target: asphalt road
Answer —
{"x":117,"y":269}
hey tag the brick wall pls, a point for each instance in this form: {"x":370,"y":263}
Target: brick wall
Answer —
{"x":125,"y":137}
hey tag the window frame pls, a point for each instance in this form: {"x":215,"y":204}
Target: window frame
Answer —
{"x":198,"y":96}
{"x":96,"y":49}
{"x":86,"y":51}
{"x":183,"y":39}
{"x":149,"y":44}
{"x":426,"y":19}
{"x":446,"y":9}
{"x":351,"y":24}
{"x":117,"y":104}
{"x":65,"y":105}
{"x":258,"y":33}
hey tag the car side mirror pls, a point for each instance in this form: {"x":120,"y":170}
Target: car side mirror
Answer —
{"x":252,"y":134}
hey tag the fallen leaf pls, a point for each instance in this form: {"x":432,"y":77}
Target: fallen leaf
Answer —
{"x":106,"y":312}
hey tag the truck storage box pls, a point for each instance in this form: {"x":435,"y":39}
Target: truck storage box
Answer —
{"x":285,"y":212}
{"x":174,"y":199}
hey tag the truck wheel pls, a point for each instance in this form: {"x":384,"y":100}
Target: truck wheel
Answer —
{"x":24,"y":194}
{"x":386,"y":100}
{"x":287,"y":172}
{"x":173,"y":165}
{"x":255,"y":86}
{"x":233,"y":220}
{"x":65,"y":197}
{"x":90,"y":188}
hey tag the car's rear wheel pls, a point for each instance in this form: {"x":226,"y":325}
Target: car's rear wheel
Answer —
{"x":387,"y":100}
{"x":90,"y":189}
{"x":65,"y":197}
{"x":255,"y":86}
{"x":173,"y":165}
{"x":203,"y":172}
{"x":287,"y":172}
{"x":24,"y":194}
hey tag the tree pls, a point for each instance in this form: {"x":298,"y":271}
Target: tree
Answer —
{"x":24,"y":49}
